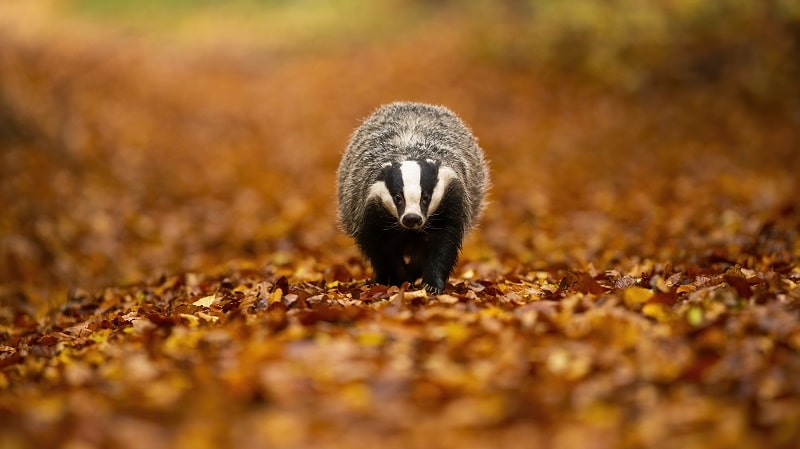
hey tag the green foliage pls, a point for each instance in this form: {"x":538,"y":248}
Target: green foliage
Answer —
{"x":749,"y":48}
{"x":117,"y":7}
{"x":753,"y":47}
{"x":265,"y":23}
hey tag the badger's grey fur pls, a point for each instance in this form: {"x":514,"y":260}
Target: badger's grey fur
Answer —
{"x":411,"y":183}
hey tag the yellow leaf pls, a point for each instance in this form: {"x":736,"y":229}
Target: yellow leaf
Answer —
{"x":571,"y":366}
{"x":193,"y":321}
{"x":100,"y":336}
{"x":275,"y":296}
{"x":454,"y":331}
{"x":558,"y":361}
{"x":686,"y":288}
{"x":656,"y":311}
{"x":637,"y":295}
{"x":493,"y":312}
{"x":661,"y":284}
{"x":371,"y":339}
{"x":695,"y":316}
{"x":207,"y":317}
{"x":205,"y":301}
{"x":357,"y":396}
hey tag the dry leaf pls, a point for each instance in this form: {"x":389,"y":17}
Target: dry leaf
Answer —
{"x":205,"y":301}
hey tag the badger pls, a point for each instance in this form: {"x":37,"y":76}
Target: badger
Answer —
{"x":410,"y":185}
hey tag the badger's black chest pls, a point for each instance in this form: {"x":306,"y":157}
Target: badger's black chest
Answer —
{"x":397,"y":255}
{"x":413,"y":249}
{"x":402,"y":255}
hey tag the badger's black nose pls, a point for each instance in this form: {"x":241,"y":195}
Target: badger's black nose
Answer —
{"x":411,"y":221}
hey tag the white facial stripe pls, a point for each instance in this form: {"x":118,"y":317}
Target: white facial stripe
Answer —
{"x":412,"y":190}
{"x":380,"y":191}
{"x":446,"y":175}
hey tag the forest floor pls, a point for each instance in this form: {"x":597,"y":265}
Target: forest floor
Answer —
{"x":172,"y":275}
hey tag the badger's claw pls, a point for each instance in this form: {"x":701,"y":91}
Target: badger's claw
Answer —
{"x":434,"y":290}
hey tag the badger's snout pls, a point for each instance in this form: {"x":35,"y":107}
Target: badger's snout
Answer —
{"x":411,"y":221}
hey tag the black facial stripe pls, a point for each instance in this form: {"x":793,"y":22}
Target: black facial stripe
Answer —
{"x":429,"y":174}
{"x":394,"y":183}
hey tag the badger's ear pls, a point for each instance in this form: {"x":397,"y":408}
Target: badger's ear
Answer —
{"x":433,"y":162}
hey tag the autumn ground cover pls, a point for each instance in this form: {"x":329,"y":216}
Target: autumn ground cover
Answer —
{"x":171,"y":273}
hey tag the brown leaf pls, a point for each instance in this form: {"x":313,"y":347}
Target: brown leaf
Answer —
{"x":8,"y":356}
{"x":666,"y":298}
{"x":740,"y":284}
{"x":47,"y":340}
{"x":586,"y":284}
{"x":161,"y":320}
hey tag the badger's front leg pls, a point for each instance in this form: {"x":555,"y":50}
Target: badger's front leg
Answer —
{"x":442,"y":255}
{"x":384,"y":271}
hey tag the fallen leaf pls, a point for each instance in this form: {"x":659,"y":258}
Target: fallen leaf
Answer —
{"x":637,"y":295}
{"x":205,"y":301}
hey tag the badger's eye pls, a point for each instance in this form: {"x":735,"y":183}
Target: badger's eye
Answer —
{"x":426,"y":198}
{"x":398,"y":197}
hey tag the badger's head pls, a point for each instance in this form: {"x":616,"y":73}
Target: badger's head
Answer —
{"x":412,"y":190}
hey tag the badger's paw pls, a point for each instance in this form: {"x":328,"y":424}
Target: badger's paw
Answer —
{"x":434,"y":289}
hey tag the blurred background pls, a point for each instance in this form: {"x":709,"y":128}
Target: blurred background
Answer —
{"x":143,"y":138}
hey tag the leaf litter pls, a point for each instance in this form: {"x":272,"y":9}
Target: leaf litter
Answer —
{"x":211,"y":302}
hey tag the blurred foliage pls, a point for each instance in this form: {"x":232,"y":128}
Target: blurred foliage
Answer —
{"x":750,"y":48}
{"x":271,"y":23}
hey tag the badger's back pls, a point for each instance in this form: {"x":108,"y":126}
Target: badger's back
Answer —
{"x":409,"y":131}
